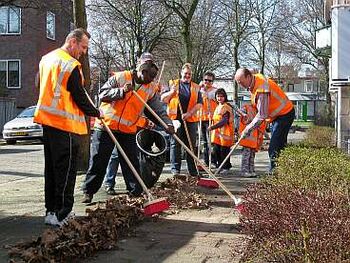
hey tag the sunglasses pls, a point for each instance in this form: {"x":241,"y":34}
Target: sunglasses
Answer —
{"x":208,"y":80}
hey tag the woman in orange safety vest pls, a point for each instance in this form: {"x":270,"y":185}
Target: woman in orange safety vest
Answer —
{"x":222,"y":135}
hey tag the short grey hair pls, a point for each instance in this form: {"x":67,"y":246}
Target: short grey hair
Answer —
{"x":78,"y":34}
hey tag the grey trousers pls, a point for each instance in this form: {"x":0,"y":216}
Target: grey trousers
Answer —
{"x":248,"y":156}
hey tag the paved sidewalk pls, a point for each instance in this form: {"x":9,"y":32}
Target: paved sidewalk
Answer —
{"x":189,"y":236}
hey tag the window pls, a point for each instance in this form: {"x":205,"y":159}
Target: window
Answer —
{"x":308,"y":86}
{"x":50,"y":26}
{"x":10,"y":20}
{"x":10,"y":73}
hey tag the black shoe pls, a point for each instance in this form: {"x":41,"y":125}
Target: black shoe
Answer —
{"x":87,"y":198}
{"x":110,"y":191}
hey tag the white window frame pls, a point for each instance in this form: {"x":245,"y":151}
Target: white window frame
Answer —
{"x":8,"y":24}
{"x":306,"y":85}
{"x":54,"y":25}
{"x":7,"y":72}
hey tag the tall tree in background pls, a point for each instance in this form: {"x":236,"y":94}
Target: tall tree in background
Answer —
{"x":264,"y":24}
{"x":184,"y":9}
{"x":79,"y":16}
{"x":235,"y":16}
{"x":305,"y":16}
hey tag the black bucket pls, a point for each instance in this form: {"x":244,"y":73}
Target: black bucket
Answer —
{"x":152,"y":145}
{"x":151,"y":142}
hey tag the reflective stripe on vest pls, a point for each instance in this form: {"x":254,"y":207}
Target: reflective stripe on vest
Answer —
{"x":56,"y":107}
{"x":174,"y":102}
{"x":224,"y":135}
{"x":209,"y":103}
{"x":279,"y":104}
{"x":123,"y":115}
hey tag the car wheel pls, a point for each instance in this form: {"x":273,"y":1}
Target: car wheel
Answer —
{"x":10,"y":142}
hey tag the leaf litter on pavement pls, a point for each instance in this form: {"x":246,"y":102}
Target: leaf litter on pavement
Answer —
{"x":104,"y":224}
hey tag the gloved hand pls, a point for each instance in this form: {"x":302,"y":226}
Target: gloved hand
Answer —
{"x":176,"y":124}
{"x":127,"y":87}
{"x":102,"y":115}
{"x":170,"y":129}
{"x":244,"y":134}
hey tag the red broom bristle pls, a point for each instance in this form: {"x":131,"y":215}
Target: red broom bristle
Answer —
{"x":206,"y":182}
{"x":156,"y":206}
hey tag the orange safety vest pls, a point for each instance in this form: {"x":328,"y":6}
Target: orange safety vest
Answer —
{"x":256,"y":137}
{"x":279,"y":104}
{"x":224,"y":135}
{"x":123,"y":115}
{"x":55,"y":106}
{"x":209,"y":103}
{"x":174,"y":102}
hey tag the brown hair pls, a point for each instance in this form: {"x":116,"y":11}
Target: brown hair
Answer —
{"x":210,"y":74}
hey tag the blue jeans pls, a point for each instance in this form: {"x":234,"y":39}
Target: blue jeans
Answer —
{"x":101,"y":150}
{"x":112,"y":168}
{"x":205,"y":138}
{"x":175,"y":148}
{"x":279,"y":134}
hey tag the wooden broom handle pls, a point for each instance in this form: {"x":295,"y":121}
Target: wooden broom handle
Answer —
{"x":187,"y":149}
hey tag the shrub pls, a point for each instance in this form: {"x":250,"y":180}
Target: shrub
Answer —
{"x":286,"y":224}
{"x":322,"y":170}
{"x":320,"y":137}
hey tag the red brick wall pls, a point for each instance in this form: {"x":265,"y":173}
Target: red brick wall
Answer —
{"x":32,"y":44}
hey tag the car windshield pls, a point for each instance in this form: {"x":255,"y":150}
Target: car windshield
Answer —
{"x":27,"y":113}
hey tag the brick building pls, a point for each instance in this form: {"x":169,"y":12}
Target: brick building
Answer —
{"x":28,"y":30}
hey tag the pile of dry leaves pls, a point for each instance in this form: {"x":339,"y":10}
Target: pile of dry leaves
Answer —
{"x":181,"y":193}
{"x":103,"y":225}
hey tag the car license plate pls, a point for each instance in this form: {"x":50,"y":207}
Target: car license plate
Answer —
{"x":20,"y":134}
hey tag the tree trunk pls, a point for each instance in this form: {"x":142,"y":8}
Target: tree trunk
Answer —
{"x":79,"y":14}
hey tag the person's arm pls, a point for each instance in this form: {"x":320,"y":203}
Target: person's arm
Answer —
{"x":111,"y":90}
{"x":222,"y":122}
{"x":158,"y":107}
{"x":262,"y":107}
{"x":168,"y":95}
{"x":79,"y":96}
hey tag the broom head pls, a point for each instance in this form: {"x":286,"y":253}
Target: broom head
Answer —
{"x":239,"y":206}
{"x":207,"y":182}
{"x":155,"y":206}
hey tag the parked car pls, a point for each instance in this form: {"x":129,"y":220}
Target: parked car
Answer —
{"x":22,"y":127}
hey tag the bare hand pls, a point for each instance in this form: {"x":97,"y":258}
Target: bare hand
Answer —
{"x":186,"y":115}
{"x":127,"y":87}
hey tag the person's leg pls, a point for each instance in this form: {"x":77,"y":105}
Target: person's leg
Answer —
{"x":49,"y":172}
{"x":252,"y":161}
{"x":279,"y":134}
{"x":216,"y":155}
{"x":245,"y":160}
{"x":112,"y":169}
{"x":224,"y":152}
{"x":192,"y":130}
{"x":100,"y":152}
{"x":175,"y":150}
{"x":205,"y":136}
{"x":128,"y":144}
{"x":63,"y":159}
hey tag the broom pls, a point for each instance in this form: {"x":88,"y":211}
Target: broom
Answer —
{"x":153,"y":206}
{"x":237,"y":201}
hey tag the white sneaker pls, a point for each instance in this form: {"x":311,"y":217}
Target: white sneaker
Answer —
{"x":65,"y":220}
{"x":51,"y":219}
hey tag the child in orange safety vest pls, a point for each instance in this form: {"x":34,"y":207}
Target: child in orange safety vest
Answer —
{"x":222,"y":131}
{"x":252,"y":143}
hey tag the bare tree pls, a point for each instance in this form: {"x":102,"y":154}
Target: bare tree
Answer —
{"x":185,"y":10}
{"x":305,"y":16}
